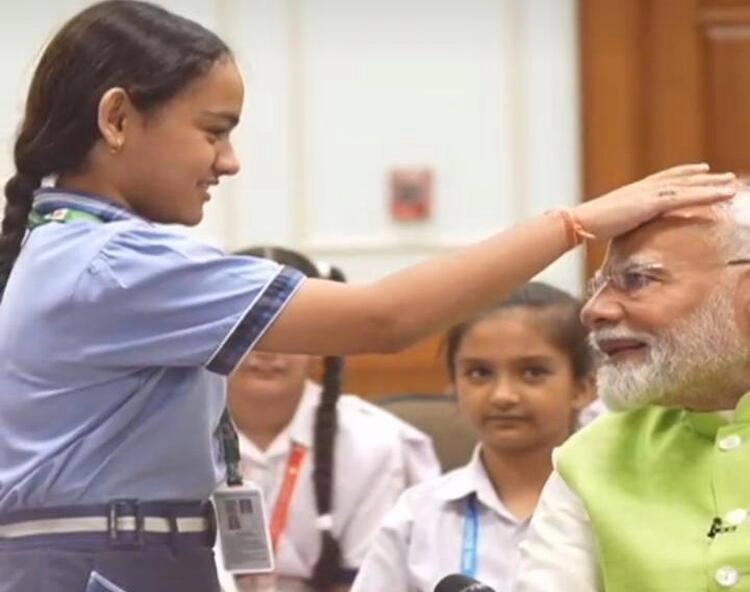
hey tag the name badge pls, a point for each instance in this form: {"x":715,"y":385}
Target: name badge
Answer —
{"x":243,"y":530}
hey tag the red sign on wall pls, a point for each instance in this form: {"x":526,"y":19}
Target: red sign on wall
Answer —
{"x":411,"y":194}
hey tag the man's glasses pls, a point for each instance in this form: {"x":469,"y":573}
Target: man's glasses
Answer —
{"x":633,"y":278}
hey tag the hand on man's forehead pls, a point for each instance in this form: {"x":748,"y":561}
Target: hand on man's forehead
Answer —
{"x":677,"y":236}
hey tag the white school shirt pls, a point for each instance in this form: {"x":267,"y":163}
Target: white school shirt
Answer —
{"x":377,"y":456}
{"x":421,"y":539}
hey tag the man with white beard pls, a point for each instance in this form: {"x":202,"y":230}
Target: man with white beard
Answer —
{"x":655,"y":497}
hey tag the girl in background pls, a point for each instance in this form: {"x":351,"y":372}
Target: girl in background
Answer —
{"x":330,"y":466}
{"x":522,"y":372}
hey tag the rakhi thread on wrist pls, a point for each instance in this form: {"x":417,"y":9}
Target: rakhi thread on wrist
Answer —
{"x":575,"y":231}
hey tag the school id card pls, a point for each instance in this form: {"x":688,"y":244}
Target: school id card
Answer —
{"x":243,"y":529}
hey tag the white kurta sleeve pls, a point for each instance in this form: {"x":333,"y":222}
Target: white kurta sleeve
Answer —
{"x":559,"y":552}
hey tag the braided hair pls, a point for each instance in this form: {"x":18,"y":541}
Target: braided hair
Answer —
{"x":327,"y":568}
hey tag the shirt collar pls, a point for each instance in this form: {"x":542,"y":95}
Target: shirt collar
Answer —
{"x":464,"y":481}
{"x":472,"y":479}
{"x":302,"y":426}
{"x":298,"y":431}
{"x":49,"y":199}
{"x":708,"y":423}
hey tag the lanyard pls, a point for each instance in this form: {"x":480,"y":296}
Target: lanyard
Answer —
{"x":284,"y":501}
{"x":230,"y":444}
{"x":229,"y":439}
{"x":470,"y":540}
{"x":62,"y":215}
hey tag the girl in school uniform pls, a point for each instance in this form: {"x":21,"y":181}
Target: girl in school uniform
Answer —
{"x":116,"y":332}
{"x":330,"y":465}
{"x":521,"y":372}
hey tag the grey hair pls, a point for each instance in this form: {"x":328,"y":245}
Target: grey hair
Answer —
{"x":733,"y":237}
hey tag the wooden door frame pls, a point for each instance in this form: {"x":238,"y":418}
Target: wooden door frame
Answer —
{"x":626,"y":55}
{"x":610,"y":141}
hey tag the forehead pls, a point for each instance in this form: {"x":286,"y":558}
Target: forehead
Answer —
{"x":669,"y":241}
{"x":509,"y":333}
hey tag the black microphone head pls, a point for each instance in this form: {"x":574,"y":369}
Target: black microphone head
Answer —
{"x":461,"y":583}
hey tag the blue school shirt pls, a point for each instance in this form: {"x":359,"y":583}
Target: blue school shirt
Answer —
{"x":114,"y":342}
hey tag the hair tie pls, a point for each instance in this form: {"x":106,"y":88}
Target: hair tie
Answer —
{"x":324,"y":522}
{"x":324,"y":268}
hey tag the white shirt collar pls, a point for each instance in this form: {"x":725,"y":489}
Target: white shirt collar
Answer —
{"x":470,"y":479}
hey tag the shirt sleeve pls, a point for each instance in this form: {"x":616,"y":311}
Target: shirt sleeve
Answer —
{"x":379,"y":492}
{"x":418,"y":457}
{"x":153,"y":298}
{"x":420,"y":460}
{"x":385,"y":567}
{"x":559,"y":552}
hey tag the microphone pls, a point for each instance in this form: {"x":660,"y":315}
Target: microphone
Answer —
{"x":461,"y":583}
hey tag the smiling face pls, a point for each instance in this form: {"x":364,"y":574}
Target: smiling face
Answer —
{"x":170,"y":158}
{"x":663,"y":318}
{"x":265,"y":390}
{"x":265,"y":378}
{"x":517,"y":387}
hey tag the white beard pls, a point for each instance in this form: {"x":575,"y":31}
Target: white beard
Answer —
{"x":689,"y":363}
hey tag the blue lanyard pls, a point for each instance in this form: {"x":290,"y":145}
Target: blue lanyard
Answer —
{"x":471,"y":536}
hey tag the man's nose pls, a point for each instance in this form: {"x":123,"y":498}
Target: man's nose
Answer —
{"x":603,"y":308}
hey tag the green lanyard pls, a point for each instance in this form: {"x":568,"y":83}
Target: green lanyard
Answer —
{"x":61,"y":215}
{"x":229,"y":439}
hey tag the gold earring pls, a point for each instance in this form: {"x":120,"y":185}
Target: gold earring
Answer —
{"x":116,"y":147}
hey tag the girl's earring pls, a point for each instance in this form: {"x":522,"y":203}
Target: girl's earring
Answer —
{"x":117,"y":146}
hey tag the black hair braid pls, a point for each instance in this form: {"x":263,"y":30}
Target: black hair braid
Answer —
{"x":326,"y":569}
{"x":19,"y":195}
